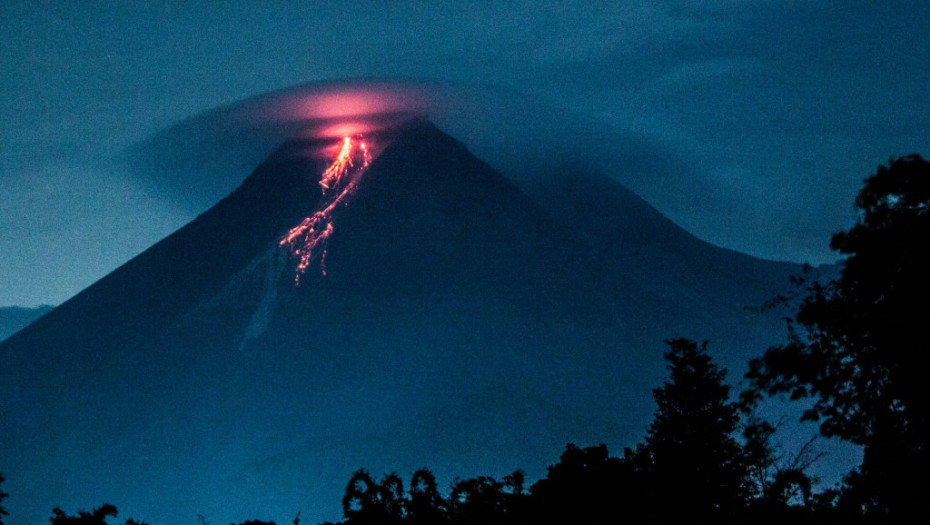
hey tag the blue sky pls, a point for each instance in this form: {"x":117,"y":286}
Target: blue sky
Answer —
{"x":784,"y":107}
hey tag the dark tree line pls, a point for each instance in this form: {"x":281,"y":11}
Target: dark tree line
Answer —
{"x":96,"y":517}
{"x":856,"y":348}
{"x":690,"y":467}
{"x":3,"y":496}
{"x":858,"y":345}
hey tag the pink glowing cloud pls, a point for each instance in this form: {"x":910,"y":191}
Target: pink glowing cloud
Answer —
{"x":339,"y":109}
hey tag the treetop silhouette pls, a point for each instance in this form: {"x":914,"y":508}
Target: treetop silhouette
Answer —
{"x":858,"y":343}
{"x":690,"y":453}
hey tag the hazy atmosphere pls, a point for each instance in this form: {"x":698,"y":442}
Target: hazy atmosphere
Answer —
{"x":781,"y":109}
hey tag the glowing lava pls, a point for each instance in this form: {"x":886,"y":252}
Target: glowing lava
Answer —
{"x":308,"y":239}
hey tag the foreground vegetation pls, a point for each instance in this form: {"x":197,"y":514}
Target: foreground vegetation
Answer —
{"x":855,"y":348}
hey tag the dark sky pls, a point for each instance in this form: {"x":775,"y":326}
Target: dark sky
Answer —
{"x":783,"y":106}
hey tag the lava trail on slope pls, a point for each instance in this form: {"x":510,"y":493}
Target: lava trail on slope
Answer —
{"x":307,"y":241}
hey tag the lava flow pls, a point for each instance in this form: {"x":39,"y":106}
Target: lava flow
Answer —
{"x":308,"y":239}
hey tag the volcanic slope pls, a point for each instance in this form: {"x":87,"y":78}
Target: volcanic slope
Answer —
{"x":15,"y":318}
{"x":461,"y":324}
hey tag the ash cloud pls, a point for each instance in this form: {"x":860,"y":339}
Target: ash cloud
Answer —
{"x":200,"y":160}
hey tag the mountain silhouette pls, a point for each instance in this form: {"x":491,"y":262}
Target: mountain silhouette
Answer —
{"x":15,"y":318}
{"x":464,"y":322}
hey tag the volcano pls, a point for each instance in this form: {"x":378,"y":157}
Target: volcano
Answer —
{"x":459,"y":321}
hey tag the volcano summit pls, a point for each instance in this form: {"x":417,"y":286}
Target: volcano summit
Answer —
{"x":462,"y":322}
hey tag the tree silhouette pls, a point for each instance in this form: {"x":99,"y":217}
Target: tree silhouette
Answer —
{"x":587,"y":485}
{"x":3,"y":496}
{"x":485,"y":500}
{"x":97,"y":517}
{"x":858,"y":342}
{"x":367,"y":501}
{"x":425,"y":504}
{"x":693,"y":463}
{"x":776,"y":480}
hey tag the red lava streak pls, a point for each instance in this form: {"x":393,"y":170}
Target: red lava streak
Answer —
{"x":307,"y":241}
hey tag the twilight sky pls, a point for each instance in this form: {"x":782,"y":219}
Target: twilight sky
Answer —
{"x":783,"y":106}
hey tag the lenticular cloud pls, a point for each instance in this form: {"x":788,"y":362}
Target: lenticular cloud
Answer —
{"x":333,"y":109}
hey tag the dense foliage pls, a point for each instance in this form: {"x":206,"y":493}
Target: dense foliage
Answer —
{"x":96,"y":517}
{"x":690,"y":448}
{"x":858,"y":343}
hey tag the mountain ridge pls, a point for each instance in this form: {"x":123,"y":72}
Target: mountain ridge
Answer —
{"x":15,"y":318}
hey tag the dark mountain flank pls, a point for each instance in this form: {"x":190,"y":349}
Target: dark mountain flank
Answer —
{"x":463,"y":323}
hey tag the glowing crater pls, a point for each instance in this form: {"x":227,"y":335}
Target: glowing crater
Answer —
{"x":307,"y":241}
